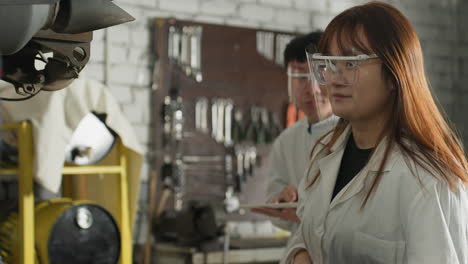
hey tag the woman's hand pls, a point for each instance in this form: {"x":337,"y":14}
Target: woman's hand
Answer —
{"x":288,"y":194}
{"x":302,"y":257}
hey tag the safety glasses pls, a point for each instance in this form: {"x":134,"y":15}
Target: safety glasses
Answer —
{"x":341,"y":69}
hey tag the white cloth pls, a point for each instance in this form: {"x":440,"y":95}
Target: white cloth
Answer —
{"x":55,"y":115}
{"x":290,"y":158}
{"x":409,"y":219}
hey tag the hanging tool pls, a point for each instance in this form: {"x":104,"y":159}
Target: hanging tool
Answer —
{"x":265,"y":128}
{"x":238,"y":130}
{"x":228,"y":108}
{"x":185,"y":50}
{"x":220,"y":121}
{"x":201,"y":108}
{"x":275,"y":128}
{"x":231,"y":201}
{"x":240,"y":177}
{"x":214,"y":117}
{"x":166,"y":114}
{"x":195,"y":54}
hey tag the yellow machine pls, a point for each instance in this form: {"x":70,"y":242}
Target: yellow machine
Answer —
{"x":26,"y":225}
{"x":75,"y":232}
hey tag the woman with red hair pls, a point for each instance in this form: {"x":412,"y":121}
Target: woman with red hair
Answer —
{"x":389,"y":183}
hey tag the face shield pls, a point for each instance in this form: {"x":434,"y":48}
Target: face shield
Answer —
{"x":305,"y":92}
{"x":295,"y":80}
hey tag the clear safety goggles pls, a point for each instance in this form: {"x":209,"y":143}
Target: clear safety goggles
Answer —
{"x":340,"y":69}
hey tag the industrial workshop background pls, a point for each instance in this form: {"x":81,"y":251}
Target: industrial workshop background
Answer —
{"x":123,"y":58}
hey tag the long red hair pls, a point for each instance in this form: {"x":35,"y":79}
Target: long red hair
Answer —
{"x":415,"y":117}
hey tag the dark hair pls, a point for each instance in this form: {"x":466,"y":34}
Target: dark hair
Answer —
{"x":295,"y":50}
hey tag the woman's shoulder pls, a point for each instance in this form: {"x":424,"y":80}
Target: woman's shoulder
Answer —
{"x":415,"y":172}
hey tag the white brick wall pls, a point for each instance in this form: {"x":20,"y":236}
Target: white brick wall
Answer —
{"x":123,"y":93}
{"x":118,"y":54}
{"x":120,"y":35}
{"x":218,"y":8}
{"x":441,"y":25}
{"x":340,"y":5}
{"x":184,"y":6}
{"x":93,"y":71}
{"x":293,"y":17}
{"x":279,"y":3}
{"x":257,"y":12}
{"x":211,"y":19}
{"x":320,"y":21}
{"x":307,"y":5}
{"x":97,"y":50}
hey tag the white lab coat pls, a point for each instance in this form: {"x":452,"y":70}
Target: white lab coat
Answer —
{"x":401,"y":223}
{"x":290,"y":157}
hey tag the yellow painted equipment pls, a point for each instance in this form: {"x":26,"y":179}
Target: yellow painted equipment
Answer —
{"x":74,"y":232}
{"x":27,"y":228}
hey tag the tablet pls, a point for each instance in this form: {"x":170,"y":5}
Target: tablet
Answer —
{"x":269,"y":205}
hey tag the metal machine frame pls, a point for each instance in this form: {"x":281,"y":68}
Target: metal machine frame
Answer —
{"x":26,"y":192}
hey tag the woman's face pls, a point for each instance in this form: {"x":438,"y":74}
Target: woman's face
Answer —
{"x":368,"y":97}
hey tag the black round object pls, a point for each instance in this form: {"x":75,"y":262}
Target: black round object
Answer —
{"x":98,"y":243}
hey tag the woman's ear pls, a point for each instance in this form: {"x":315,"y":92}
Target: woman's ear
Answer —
{"x":390,"y":85}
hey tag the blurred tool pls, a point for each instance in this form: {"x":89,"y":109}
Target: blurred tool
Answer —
{"x":56,"y":32}
{"x":185,"y":49}
{"x":275,"y":128}
{"x":238,"y":129}
{"x":173,"y":177}
{"x":265,"y":125}
{"x":280,"y":44}
{"x":166,"y":113}
{"x":255,"y":129}
{"x":241,"y":178}
{"x":271,"y":45}
{"x":220,"y":121}
{"x":191,"y":226}
{"x":214,"y":117}
{"x":231,"y":201}
{"x":228,"y":108}
{"x":201,"y":114}
{"x":173,"y":46}
{"x":265,"y":43}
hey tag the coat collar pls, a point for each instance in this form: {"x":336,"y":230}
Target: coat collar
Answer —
{"x":377,"y":156}
{"x":329,"y":167}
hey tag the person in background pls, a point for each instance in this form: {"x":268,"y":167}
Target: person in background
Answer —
{"x":290,"y":154}
{"x":389,"y":183}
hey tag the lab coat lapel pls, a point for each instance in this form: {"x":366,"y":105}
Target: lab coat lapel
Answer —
{"x":351,"y":189}
{"x":329,"y":167}
{"x":354,"y":187}
{"x":366,"y":175}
